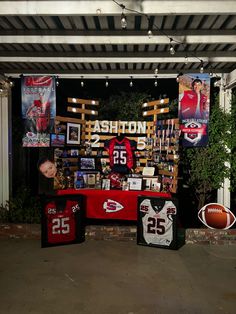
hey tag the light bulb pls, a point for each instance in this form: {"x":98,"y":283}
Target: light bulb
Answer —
{"x":123,"y":21}
{"x":155,"y":82}
{"x":156,"y":71}
{"x":106,"y":84}
{"x":150,"y":34}
{"x":172,"y":50}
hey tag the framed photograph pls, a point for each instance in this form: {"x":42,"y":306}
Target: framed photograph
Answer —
{"x":87,"y":163}
{"x":147,"y":183}
{"x":156,"y":185}
{"x":74,"y":152}
{"x":135,"y":184}
{"x":148,"y":171}
{"x":57,"y":140}
{"x":91,"y":180}
{"x":73,"y":133}
{"x":106,"y":184}
{"x":79,"y":180}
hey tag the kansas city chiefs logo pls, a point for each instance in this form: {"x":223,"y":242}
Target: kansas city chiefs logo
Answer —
{"x":111,"y":206}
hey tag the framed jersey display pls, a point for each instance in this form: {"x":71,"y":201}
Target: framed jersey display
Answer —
{"x":157,"y":222}
{"x":63,"y":220}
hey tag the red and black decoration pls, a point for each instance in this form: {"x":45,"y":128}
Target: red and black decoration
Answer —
{"x":63,"y":220}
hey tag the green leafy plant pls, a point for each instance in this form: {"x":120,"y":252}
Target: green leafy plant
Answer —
{"x":232,"y":143}
{"x":207,"y":167}
{"x":124,"y":106}
{"x":23,"y":208}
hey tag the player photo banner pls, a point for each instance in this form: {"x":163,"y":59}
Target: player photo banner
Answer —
{"x":38,"y":98}
{"x":194,"y":103}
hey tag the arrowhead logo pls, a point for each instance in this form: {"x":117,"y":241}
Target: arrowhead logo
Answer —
{"x":111,"y":206}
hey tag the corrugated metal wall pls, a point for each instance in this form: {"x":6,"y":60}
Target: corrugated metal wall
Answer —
{"x":4,"y":150}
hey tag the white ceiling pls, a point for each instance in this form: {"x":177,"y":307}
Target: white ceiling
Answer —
{"x":84,"y":38}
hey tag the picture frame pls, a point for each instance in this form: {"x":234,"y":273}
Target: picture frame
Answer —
{"x":87,"y":163}
{"x":73,"y":133}
{"x":150,"y":209}
{"x":106,"y":184}
{"x":67,"y":208}
{"x":147,"y":182}
{"x":57,"y":140}
{"x":74,"y":152}
{"x":135,"y":184}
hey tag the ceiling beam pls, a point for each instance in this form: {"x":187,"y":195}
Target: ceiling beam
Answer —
{"x":120,"y":54}
{"x":123,"y":59}
{"x":116,"y":32}
{"x":108,"y":7}
{"x":125,"y":74}
{"x":117,"y":40}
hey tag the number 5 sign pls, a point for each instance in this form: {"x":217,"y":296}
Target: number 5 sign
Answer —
{"x":157,"y":222}
{"x":63,"y":220}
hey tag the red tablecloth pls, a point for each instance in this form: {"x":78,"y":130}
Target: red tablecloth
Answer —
{"x":111,"y":204}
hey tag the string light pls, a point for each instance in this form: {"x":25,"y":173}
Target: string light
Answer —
{"x":82,"y":82}
{"x":131,"y":82}
{"x":178,"y":77}
{"x":150,"y":34}
{"x":155,"y":82}
{"x":156,"y":71}
{"x":123,"y":21}
{"x":107,"y":83}
{"x":57,"y":81}
{"x":172,"y":49}
{"x":201,"y":67}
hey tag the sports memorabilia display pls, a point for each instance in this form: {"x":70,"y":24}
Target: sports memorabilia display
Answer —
{"x":63,"y":220}
{"x":157,"y":222}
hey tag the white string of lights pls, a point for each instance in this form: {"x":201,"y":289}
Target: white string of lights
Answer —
{"x":172,"y":41}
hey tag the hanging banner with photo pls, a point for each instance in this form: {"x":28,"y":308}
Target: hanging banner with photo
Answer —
{"x":194,"y":103}
{"x":38,"y":97}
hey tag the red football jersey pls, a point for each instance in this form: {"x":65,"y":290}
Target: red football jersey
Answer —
{"x":63,"y":222}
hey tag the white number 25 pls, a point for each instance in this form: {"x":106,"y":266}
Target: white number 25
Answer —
{"x":60,"y":225}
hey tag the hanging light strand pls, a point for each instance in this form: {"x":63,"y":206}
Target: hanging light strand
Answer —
{"x":154,"y":26}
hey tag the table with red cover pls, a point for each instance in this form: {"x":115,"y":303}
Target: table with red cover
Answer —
{"x":111,"y":204}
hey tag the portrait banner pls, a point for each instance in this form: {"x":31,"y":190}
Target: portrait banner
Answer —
{"x":38,"y":106}
{"x":194,"y":104}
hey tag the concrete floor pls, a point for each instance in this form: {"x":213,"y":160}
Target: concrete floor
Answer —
{"x":111,"y":277}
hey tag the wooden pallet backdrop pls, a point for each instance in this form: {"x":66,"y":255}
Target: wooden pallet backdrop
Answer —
{"x":159,"y":146}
